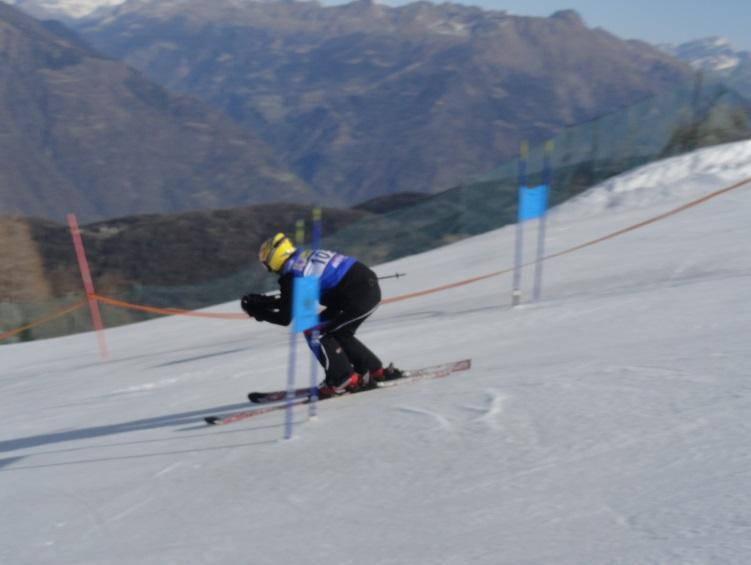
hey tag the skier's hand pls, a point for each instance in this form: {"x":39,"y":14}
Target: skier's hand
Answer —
{"x":260,"y":299}
{"x":247,"y":305}
{"x":256,"y":309}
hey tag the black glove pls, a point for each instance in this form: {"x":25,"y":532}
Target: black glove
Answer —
{"x":255,"y":305}
{"x":260,"y":299}
{"x":248,"y":305}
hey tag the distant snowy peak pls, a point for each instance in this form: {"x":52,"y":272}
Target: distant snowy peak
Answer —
{"x":77,"y":9}
{"x":711,"y":54}
{"x":62,"y":8}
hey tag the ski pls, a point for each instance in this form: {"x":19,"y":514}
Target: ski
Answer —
{"x":277,"y":395}
{"x":434,"y":372}
{"x":245,"y":414}
{"x":305,"y":392}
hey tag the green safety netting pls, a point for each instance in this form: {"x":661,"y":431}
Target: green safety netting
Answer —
{"x":697,"y":115}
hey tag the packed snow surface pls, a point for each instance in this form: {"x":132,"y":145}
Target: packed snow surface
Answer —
{"x":606,"y":423}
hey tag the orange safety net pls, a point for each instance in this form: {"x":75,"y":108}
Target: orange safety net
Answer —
{"x":464,"y":282}
{"x":40,"y":321}
{"x":612,"y":235}
{"x":168,"y":311}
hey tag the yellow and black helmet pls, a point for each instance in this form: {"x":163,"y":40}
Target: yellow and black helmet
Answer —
{"x":275,"y":251}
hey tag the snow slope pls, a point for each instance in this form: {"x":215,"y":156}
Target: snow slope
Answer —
{"x":607,"y":423}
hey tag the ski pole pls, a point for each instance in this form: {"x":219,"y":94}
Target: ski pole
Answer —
{"x":394,"y":276}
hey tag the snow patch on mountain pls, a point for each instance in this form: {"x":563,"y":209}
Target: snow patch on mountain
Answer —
{"x":711,"y":53}
{"x":63,"y":8}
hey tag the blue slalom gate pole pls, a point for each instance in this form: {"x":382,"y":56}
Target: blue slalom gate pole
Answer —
{"x":516,"y":290}
{"x":289,"y":415}
{"x":289,"y":412}
{"x":547,"y":180}
{"x":314,"y":375}
{"x":305,"y":296}
{"x":533,"y":202}
{"x":316,"y":244}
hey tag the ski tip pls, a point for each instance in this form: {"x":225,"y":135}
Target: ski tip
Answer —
{"x":254,"y":396}
{"x":212,"y":420}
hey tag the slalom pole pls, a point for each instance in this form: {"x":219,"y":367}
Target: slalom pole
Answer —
{"x":316,"y":244}
{"x":88,"y":284}
{"x":290,"y":397}
{"x":300,"y":233}
{"x":516,"y":291}
{"x":289,"y":413}
{"x":306,"y":295}
{"x":547,"y":180}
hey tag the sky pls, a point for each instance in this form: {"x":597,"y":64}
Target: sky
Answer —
{"x":655,"y":21}
{"x":605,"y":423}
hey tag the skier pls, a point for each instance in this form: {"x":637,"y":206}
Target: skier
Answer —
{"x":349,"y":292}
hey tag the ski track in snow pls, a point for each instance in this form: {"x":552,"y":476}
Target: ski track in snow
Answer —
{"x":490,"y":414}
{"x":443,"y":423}
{"x":146,"y":387}
{"x":128,"y":511}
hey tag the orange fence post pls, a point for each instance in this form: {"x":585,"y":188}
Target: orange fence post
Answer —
{"x":88,"y":284}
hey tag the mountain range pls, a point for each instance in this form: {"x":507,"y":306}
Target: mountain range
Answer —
{"x":222,"y":103}
{"x":88,"y":134}
{"x":362,"y":99}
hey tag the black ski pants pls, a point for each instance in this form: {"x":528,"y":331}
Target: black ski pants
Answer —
{"x":347,"y":307}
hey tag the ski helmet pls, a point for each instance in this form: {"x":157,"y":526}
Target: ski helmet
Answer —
{"x":275,"y":251}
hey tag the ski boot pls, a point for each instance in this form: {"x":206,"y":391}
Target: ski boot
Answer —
{"x":389,"y":373}
{"x":353,"y":383}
